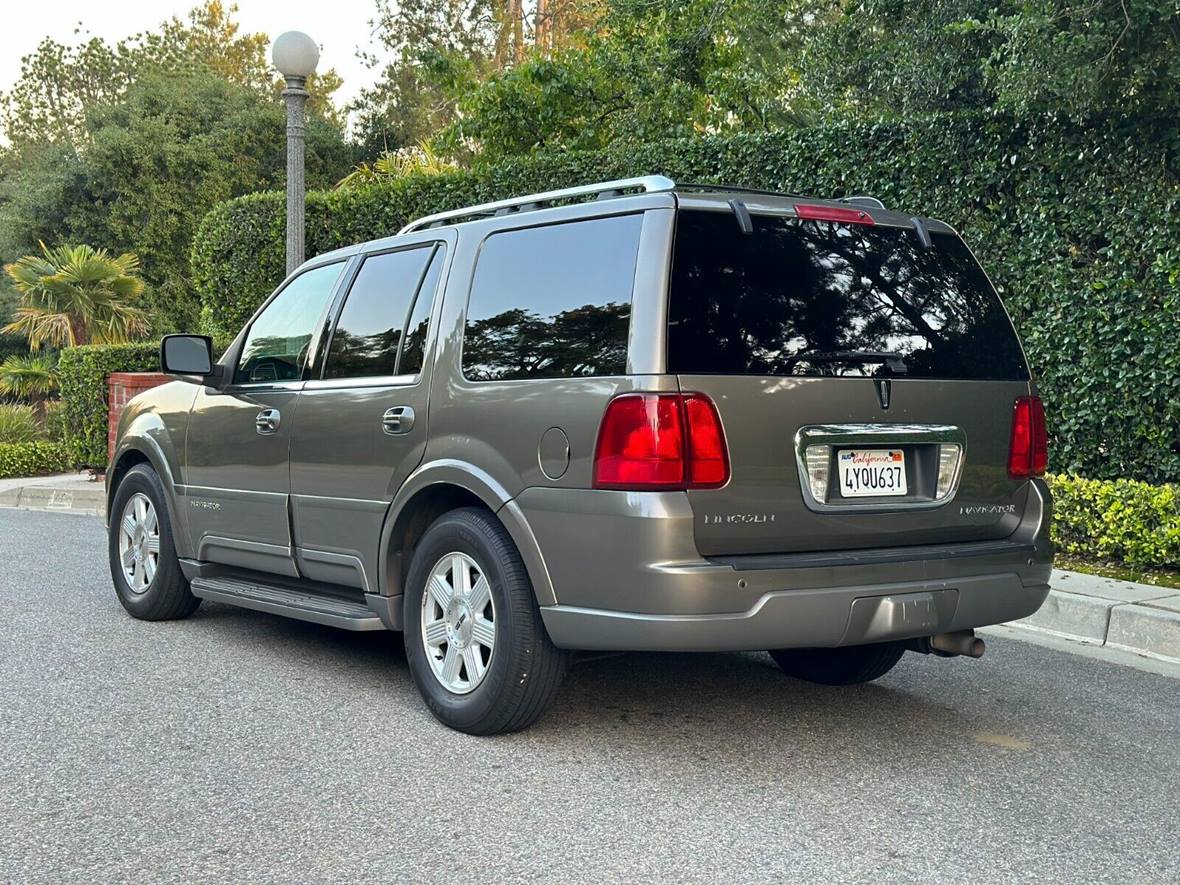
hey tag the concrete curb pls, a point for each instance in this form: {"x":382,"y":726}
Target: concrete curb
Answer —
{"x":1138,"y":618}
{"x":65,"y":493}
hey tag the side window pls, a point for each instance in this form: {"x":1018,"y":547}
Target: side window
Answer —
{"x":276,"y":345}
{"x":553,"y":301}
{"x":369,"y":331}
{"x":414,"y":348}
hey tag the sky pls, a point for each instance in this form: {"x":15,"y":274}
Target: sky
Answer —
{"x":341,"y":27}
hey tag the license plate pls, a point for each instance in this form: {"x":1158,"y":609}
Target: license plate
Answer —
{"x":871,"y":473}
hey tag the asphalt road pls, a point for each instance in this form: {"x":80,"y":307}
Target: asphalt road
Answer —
{"x":237,"y":745}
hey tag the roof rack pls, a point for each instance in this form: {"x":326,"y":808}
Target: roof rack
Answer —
{"x":862,"y":200}
{"x":726,"y":188}
{"x":603,"y":190}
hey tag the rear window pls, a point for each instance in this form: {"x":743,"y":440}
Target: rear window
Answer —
{"x":553,"y":301}
{"x":819,"y":298}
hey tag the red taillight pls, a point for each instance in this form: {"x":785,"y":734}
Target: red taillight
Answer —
{"x":1028,"y":450}
{"x":663,"y":441}
{"x":833,"y":213}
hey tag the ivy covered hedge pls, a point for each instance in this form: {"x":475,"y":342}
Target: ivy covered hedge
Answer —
{"x":83,"y":371}
{"x":32,"y":458}
{"x":1077,"y":223}
{"x":1121,"y":521}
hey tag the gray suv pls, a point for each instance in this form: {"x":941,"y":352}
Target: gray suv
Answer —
{"x":627,"y":416}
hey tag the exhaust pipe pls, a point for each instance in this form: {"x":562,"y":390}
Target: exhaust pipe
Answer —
{"x":961,"y":642}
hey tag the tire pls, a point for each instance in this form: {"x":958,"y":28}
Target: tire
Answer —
{"x":850,"y":665}
{"x":166,"y":594}
{"x":518,"y":676}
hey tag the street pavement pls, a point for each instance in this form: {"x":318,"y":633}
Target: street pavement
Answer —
{"x":239,"y":746}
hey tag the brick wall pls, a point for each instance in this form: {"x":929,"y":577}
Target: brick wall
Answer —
{"x":121,"y":387}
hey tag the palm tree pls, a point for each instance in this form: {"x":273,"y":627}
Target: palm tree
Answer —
{"x":74,"y":295}
{"x":32,"y":378}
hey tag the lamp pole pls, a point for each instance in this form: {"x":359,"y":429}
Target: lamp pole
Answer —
{"x":295,"y":55}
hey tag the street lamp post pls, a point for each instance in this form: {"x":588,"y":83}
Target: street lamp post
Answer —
{"x":295,"y":55}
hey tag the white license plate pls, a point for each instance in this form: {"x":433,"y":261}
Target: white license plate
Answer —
{"x":871,"y":473}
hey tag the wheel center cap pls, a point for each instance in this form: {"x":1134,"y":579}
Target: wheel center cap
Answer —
{"x":459,"y":617}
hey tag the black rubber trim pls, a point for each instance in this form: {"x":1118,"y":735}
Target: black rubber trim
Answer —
{"x":836,"y":558}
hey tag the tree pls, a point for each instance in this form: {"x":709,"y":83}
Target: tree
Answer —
{"x":641,"y":71}
{"x":30,"y":377}
{"x":58,"y":84}
{"x":73,"y":295}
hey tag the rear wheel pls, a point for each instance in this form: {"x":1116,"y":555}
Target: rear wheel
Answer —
{"x":144,"y":567}
{"x":476,"y":646}
{"x":850,"y":665}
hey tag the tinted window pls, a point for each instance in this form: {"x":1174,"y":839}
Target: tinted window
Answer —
{"x":369,"y":330}
{"x":552,"y":302}
{"x":819,"y":298}
{"x":414,"y":349}
{"x":276,"y":345}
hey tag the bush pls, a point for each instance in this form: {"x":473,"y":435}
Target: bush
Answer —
{"x":53,"y":421}
{"x":1076,"y":222}
{"x":18,"y":424}
{"x":84,"y":372}
{"x":32,"y":458}
{"x":1123,"y":520}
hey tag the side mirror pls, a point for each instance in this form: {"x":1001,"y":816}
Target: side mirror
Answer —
{"x":187,"y":355}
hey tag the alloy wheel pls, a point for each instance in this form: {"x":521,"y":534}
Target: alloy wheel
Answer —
{"x":458,"y":623}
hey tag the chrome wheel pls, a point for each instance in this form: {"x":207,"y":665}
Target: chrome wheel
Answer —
{"x":139,"y":542}
{"x":458,"y":623}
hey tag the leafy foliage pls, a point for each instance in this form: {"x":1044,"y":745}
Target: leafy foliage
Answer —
{"x":130,"y":152}
{"x":84,"y":372}
{"x":32,"y":458}
{"x":74,"y":295}
{"x":1123,"y":520}
{"x":28,"y":376}
{"x":18,"y":424}
{"x":1077,"y":223}
{"x":60,"y":84}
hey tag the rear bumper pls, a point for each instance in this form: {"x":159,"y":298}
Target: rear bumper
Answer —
{"x":627,"y":578}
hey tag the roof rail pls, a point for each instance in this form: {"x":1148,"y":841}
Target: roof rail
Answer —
{"x":647,"y":184}
{"x":726,"y":188}
{"x":862,"y":200}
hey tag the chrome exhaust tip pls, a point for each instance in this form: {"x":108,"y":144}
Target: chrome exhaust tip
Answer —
{"x":961,"y":642}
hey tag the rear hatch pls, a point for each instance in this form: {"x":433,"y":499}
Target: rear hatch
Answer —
{"x":875,"y":354}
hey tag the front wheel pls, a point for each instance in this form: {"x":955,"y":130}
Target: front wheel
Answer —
{"x":477,"y":649}
{"x":849,"y":665}
{"x":144,"y":567}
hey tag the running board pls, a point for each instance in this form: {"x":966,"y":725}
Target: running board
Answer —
{"x":319,"y":608}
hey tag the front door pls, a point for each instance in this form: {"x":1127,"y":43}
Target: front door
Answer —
{"x":238,"y":450}
{"x":361,"y":426}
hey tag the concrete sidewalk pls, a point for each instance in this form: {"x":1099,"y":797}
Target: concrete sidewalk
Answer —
{"x":1137,"y":618}
{"x":65,"y":492}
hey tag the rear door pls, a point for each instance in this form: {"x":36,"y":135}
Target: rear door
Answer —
{"x":361,"y":427}
{"x":865,"y":380}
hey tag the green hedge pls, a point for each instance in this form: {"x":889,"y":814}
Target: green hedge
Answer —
{"x":32,"y":458}
{"x":1124,"y":520}
{"x":84,"y":372}
{"x":1078,"y":224}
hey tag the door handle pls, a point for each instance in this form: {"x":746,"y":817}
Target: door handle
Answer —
{"x":399,"y":419}
{"x":267,"y":421}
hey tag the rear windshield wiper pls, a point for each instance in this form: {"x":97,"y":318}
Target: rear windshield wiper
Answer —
{"x":894,"y":362}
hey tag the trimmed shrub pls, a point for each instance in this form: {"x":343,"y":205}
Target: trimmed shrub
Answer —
{"x":84,"y":372}
{"x":18,"y":424}
{"x":1077,"y":223}
{"x":1123,"y":520}
{"x":32,"y":459}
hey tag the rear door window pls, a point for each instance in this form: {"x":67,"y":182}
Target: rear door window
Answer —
{"x":552,"y":301}
{"x":369,"y":331}
{"x":819,"y":298}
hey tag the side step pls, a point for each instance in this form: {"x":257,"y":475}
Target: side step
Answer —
{"x":319,"y":608}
